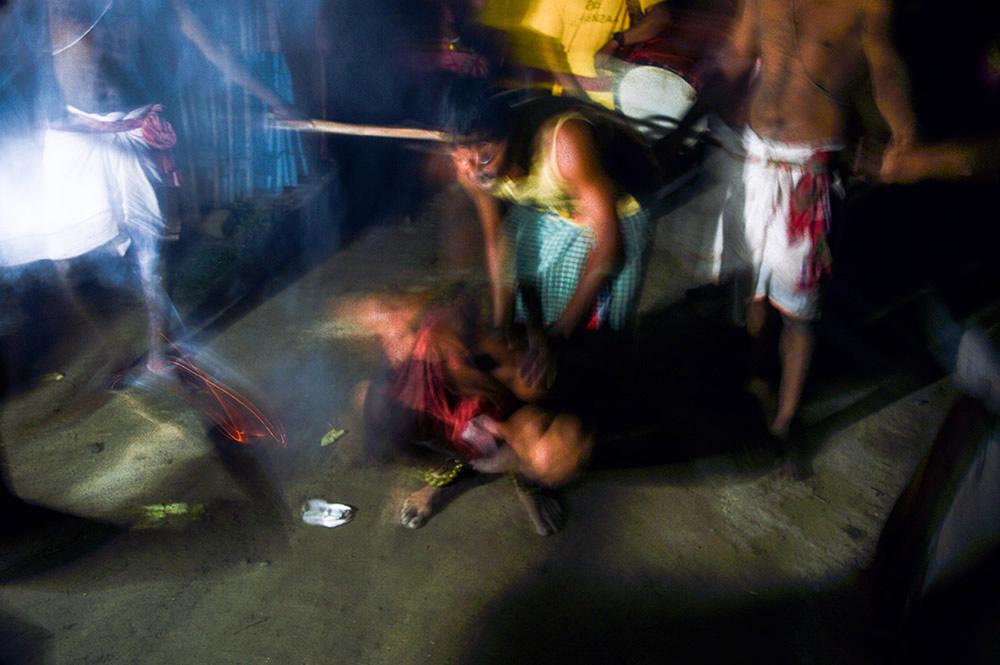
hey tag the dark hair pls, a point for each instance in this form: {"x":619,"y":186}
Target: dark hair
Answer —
{"x":473,"y":110}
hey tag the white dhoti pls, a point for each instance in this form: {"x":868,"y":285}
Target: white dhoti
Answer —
{"x":705,"y":231}
{"x":784,"y":262}
{"x":65,"y":193}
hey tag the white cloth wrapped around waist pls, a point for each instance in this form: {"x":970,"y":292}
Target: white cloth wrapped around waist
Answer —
{"x":64,"y":193}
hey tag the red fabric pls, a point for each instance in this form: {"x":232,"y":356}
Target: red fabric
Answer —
{"x":809,"y":217}
{"x":160,"y":136}
{"x":693,"y":37}
{"x":422,"y":385}
{"x":156,"y":131}
{"x":599,"y":315}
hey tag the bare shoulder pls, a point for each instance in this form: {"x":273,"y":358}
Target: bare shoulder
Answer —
{"x":573,"y":130}
{"x":573,"y":138}
{"x":575,"y":151}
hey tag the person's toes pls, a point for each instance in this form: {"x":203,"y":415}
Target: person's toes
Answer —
{"x":544,"y":510}
{"x":413,"y":517}
{"x":418,"y":507}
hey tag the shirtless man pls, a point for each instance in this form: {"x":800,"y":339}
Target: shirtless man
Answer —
{"x":808,"y":53}
{"x":87,"y":174}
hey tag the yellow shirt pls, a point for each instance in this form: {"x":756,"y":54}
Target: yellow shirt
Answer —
{"x":544,"y":187}
{"x":582,"y":27}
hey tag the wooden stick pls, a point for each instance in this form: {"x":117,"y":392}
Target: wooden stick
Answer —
{"x":330,"y":127}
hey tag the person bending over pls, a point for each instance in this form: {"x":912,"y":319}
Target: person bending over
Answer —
{"x":557,"y":185}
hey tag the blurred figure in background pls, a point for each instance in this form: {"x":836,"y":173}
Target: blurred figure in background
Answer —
{"x":243,"y":41}
{"x":934,"y":572}
{"x":458,"y":47}
{"x":78,"y":173}
{"x":577,"y":37}
{"x":461,"y":46}
{"x":808,"y":54}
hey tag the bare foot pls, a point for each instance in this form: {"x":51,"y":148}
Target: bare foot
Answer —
{"x":419,"y":506}
{"x":792,"y":463}
{"x":157,"y":363}
{"x":152,"y":365}
{"x":544,"y":509}
{"x":790,"y":468}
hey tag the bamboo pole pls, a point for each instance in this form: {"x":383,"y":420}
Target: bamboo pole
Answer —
{"x":330,"y":127}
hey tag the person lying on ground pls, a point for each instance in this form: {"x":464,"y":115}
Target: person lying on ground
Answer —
{"x":454,"y":392}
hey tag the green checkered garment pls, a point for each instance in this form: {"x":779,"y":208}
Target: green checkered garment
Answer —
{"x":550,"y":253}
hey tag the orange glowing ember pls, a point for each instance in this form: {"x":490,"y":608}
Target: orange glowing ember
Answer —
{"x":235,"y":415}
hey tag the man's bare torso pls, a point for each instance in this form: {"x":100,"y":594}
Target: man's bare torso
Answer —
{"x":810,"y":51}
{"x":86,"y":64}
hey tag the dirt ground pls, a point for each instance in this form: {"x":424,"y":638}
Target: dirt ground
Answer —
{"x":680,"y":546}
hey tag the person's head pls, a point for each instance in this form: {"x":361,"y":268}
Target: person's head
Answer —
{"x":478,"y":120}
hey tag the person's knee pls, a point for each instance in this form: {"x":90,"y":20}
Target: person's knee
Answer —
{"x":561,"y":451}
{"x":797,"y":327}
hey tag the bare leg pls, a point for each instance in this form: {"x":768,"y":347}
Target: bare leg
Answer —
{"x":419,"y":506}
{"x":551,"y":449}
{"x":796,"y":347}
{"x":155,"y":299}
{"x":527,"y":428}
{"x":541,"y":450}
{"x":759,"y":384}
{"x":69,"y":291}
{"x":756,"y":318}
{"x":110,"y":346}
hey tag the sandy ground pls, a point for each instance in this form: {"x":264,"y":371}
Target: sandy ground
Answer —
{"x":681,"y":546}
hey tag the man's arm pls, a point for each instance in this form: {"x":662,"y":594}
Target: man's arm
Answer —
{"x":494,"y":241}
{"x":229,"y":65}
{"x":595,"y":202}
{"x":977,"y":160}
{"x":495,"y":244}
{"x":654,"y":21}
{"x":890,"y":80}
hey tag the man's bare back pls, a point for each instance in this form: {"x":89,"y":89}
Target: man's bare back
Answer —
{"x":810,"y":52}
